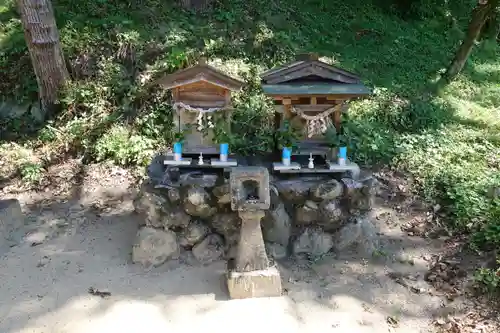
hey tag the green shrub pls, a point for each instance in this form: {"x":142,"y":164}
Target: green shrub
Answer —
{"x":487,"y":280}
{"x":31,"y":172}
{"x":124,"y":147}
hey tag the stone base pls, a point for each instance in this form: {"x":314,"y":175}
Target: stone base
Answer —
{"x":262,"y":283}
{"x":280,"y":166}
{"x":349,"y":166}
{"x":218,"y":162}
{"x":171,"y":161}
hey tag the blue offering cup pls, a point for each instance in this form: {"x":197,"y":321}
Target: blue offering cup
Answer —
{"x":224,"y":151}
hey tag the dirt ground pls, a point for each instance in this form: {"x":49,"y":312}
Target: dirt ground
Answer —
{"x":81,"y":229}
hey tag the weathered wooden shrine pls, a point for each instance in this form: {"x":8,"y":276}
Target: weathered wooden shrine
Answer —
{"x":200,"y":93}
{"x":238,"y":211}
{"x":311,"y":95}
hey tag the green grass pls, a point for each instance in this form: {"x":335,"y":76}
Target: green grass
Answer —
{"x":449,"y":140}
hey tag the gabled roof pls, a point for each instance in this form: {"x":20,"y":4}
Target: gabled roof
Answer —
{"x":198,"y":73}
{"x":310,"y":69}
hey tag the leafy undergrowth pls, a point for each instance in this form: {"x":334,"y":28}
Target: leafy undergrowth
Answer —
{"x":448,"y":141}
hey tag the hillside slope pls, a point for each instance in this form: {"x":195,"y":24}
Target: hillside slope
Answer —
{"x":449,"y":141}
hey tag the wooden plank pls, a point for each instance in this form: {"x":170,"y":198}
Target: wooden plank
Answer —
{"x":288,"y":111}
{"x":175,"y":94}
{"x":228,"y":98}
{"x":330,"y":103}
{"x":203,"y":86}
{"x":201,"y":96}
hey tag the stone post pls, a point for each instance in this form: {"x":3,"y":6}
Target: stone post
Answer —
{"x":252,"y":275}
{"x":251,"y":255}
{"x":11,"y":224}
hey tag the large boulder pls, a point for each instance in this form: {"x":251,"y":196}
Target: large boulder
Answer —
{"x":297,"y":190}
{"x":193,"y":234}
{"x":359,"y":194}
{"x":157,"y":210}
{"x":151,"y":204}
{"x":223,"y":194}
{"x":329,"y":190}
{"x":156,"y":169}
{"x":197,"y":202}
{"x":227,"y":224}
{"x":210,"y":249}
{"x":175,"y":219}
{"x":154,"y":246}
{"x":333,"y":215}
{"x":276,"y":224}
{"x":199,"y":179}
{"x":306,"y":214}
{"x":174,"y":195}
{"x":276,"y":251}
{"x":314,"y":242}
{"x":361,"y":234}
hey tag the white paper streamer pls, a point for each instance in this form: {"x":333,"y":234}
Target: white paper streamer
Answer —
{"x":202,"y":114}
{"x":317,"y":124}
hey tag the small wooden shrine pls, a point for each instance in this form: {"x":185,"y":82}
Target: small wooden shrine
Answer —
{"x":199,"y":92}
{"x":311,"y":95}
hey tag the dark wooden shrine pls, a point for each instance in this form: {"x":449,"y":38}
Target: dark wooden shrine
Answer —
{"x":307,"y":88}
{"x":201,"y":87}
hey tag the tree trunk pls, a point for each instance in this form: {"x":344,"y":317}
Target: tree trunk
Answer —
{"x":479,"y":16}
{"x":42,"y":38}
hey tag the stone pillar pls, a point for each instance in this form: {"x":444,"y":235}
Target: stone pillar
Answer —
{"x":251,"y":255}
{"x":12,"y":222}
{"x":251,"y":274}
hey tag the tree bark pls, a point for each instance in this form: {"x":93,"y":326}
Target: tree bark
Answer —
{"x":42,"y":38}
{"x":479,"y":16}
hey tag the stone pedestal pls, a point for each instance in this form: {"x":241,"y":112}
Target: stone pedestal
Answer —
{"x":251,"y":255}
{"x":251,"y":274}
{"x":264,"y":283}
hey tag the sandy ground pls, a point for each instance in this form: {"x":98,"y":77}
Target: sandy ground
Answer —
{"x":85,"y":241}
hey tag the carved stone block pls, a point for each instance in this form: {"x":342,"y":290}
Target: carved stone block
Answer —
{"x":264,"y":283}
{"x":250,"y":188}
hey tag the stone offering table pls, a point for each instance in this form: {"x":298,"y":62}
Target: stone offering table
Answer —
{"x":252,"y":274}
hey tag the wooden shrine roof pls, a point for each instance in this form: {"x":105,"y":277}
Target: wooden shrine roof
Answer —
{"x":201,"y":72}
{"x":315,"y":89}
{"x":309,"y":76}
